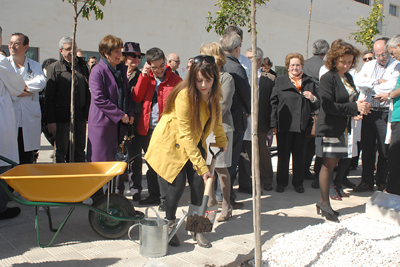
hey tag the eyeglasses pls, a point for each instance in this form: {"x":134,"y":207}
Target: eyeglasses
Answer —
{"x":17,"y":44}
{"x":162,"y":66}
{"x":381,"y":55}
{"x":368,"y":59}
{"x":178,"y":61}
{"x":133,"y":55}
{"x":201,"y":58}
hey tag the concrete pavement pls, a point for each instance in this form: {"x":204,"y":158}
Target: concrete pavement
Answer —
{"x":232,"y":241}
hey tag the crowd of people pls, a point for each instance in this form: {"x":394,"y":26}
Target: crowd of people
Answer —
{"x":321,"y":107}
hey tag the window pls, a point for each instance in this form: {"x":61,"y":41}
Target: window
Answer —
{"x":280,"y":70}
{"x":363,"y":1}
{"x":32,"y":53}
{"x":393,"y":10}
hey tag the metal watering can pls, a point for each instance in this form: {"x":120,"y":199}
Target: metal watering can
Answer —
{"x":153,"y":234}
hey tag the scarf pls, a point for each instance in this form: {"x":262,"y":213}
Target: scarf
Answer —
{"x":296,"y":80}
{"x":117,"y":73}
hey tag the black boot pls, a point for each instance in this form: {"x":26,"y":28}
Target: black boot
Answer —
{"x":202,"y":240}
{"x":174,"y":240}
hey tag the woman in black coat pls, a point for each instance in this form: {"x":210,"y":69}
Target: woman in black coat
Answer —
{"x":293,"y":98}
{"x":338,"y":106}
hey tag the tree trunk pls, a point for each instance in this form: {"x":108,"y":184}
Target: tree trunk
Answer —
{"x":255,"y":153}
{"x":309,"y":25}
{"x":72,"y":129}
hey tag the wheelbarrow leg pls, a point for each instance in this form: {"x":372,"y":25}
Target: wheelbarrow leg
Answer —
{"x":47,"y":209}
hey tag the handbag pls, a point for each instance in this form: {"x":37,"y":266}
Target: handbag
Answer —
{"x":129,"y":147}
{"x":310,"y":131}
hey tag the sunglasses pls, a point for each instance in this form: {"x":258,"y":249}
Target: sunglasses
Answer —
{"x":134,"y":55}
{"x":201,"y":58}
{"x":368,"y":59}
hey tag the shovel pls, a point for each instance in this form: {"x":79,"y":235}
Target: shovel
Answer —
{"x":200,"y":218}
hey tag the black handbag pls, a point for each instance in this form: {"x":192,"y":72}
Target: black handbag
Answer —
{"x":129,"y":147}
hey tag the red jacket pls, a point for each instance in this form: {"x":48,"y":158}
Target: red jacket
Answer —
{"x":144,"y":91}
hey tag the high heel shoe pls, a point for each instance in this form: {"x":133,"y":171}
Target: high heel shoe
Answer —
{"x":326,"y":212}
{"x":319,"y":209}
{"x":225,"y":217}
{"x":333,"y":194}
{"x":340,"y":191}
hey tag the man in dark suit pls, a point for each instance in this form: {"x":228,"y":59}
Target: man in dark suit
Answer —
{"x":311,"y":68}
{"x":241,"y":105}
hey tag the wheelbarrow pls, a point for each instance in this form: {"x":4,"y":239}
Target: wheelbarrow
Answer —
{"x":67,"y":185}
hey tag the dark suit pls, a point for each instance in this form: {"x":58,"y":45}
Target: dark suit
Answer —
{"x":335,"y":106}
{"x":241,"y":106}
{"x":312,"y":66}
{"x":264,"y":112}
{"x":290,"y":115}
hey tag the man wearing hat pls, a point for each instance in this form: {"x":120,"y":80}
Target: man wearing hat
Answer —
{"x":152,"y":89}
{"x":132,"y":56}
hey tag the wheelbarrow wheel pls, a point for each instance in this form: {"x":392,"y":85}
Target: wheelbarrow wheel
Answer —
{"x":105,"y":226}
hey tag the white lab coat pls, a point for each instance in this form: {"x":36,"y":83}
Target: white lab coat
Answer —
{"x":364,"y":81}
{"x":11,"y":84}
{"x":27,"y":108}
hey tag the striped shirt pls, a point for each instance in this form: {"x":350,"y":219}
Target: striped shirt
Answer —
{"x":377,"y":74}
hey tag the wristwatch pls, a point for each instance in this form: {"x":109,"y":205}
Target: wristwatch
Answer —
{"x":389,"y":97}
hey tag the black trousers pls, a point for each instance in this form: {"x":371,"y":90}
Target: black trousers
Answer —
{"x":374,"y":131}
{"x":25,"y":157}
{"x":309,"y":154}
{"x":151,"y":175}
{"x":393,"y":182}
{"x":290,"y":143}
{"x":175,"y":190}
{"x":62,"y":141}
{"x":236,"y":150}
{"x":266,"y":172}
{"x":245,"y":181}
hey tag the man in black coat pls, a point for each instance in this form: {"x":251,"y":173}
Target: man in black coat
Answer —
{"x":311,"y":68}
{"x":241,"y":105}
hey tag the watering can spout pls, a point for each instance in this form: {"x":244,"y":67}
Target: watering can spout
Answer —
{"x":178,"y":225}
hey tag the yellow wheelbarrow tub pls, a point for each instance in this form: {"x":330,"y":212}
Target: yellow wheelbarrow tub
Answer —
{"x":61,"y":182}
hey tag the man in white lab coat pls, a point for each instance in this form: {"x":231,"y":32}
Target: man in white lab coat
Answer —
{"x":11,"y":84}
{"x":26,"y":105}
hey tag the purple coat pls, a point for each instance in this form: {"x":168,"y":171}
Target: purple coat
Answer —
{"x":104,"y":113}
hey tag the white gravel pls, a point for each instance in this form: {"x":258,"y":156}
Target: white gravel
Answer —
{"x":357,"y":241}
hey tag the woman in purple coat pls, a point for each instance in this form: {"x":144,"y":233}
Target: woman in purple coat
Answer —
{"x":111,"y":107}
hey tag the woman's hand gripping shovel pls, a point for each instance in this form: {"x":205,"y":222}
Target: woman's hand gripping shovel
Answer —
{"x":200,"y":218}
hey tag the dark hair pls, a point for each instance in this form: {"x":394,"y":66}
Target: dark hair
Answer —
{"x":385,"y":39}
{"x":294,"y":55}
{"x":108,"y":44}
{"x":26,"y":39}
{"x":154,"y":54}
{"x":236,"y":29}
{"x":338,"y":49}
{"x":367,"y":52}
{"x":267,"y":62}
{"x":47,"y":62}
{"x":3,"y":52}
{"x":93,"y":57}
{"x":208,"y":70}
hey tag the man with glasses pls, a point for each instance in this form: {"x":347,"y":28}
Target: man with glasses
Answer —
{"x":58,"y":102}
{"x":152,"y":89}
{"x":376,"y":76}
{"x":174,"y":61}
{"x":368,"y":55}
{"x":26,"y":105}
{"x":241,"y":106}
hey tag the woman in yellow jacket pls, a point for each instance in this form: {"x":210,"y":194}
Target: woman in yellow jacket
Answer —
{"x":177,"y":148}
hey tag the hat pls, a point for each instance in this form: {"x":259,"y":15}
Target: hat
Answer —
{"x":132,"y":47}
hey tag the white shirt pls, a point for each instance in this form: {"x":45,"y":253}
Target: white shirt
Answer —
{"x":27,"y":108}
{"x":11,"y":84}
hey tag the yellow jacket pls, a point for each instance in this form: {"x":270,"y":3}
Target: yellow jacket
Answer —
{"x":172,"y":145}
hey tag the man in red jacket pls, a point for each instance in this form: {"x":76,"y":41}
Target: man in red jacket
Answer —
{"x":152,"y":89}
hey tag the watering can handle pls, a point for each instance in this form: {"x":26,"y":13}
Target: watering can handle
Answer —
{"x":129,"y":232}
{"x":159,"y":220}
